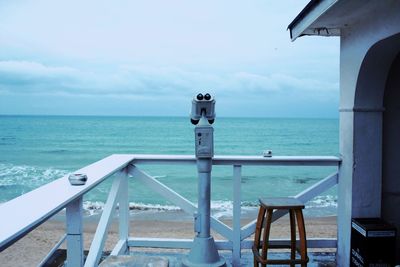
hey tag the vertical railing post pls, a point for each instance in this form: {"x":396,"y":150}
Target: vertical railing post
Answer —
{"x":124,"y":210}
{"x":236,"y":247}
{"x":74,"y":233}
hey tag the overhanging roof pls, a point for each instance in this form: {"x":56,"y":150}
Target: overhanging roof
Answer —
{"x":328,"y":17}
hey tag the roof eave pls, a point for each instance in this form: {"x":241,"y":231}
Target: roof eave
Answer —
{"x":301,"y":25}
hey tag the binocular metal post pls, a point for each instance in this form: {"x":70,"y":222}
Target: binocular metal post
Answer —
{"x":203,"y":251}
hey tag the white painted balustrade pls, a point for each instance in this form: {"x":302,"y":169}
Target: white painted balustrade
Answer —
{"x":16,"y":221}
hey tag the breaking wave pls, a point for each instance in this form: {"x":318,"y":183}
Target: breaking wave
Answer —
{"x":16,"y":180}
{"x":218,"y":208}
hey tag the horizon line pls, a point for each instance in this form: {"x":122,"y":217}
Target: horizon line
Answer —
{"x":159,"y":116}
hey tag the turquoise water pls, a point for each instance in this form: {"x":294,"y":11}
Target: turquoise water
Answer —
{"x":35,"y":150}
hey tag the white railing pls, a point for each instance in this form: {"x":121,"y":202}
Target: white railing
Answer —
{"x":62,"y":195}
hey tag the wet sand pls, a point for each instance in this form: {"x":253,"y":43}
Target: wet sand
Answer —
{"x":32,"y":248}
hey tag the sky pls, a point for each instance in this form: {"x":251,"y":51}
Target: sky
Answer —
{"x":149,"y":58}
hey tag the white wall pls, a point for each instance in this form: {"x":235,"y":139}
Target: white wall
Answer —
{"x":366,"y":57}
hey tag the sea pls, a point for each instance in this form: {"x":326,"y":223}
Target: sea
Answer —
{"x":35,"y":150}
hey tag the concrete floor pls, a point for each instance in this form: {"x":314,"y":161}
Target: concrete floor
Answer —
{"x":317,"y":259}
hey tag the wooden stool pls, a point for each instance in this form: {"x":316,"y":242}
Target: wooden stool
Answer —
{"x":294,"y":206}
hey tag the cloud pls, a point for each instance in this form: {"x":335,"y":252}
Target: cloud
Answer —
{"x":25,"y":77}
{"x":32,"y":77}
{"x":175,"y":31}
{"x":111,"y":54}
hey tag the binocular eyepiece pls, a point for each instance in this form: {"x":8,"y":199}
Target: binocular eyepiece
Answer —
{"x":205,"y":97}
{"x":202,"y":105}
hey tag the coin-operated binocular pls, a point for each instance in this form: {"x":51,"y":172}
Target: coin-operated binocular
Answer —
{"x":204,"y":251}
{"x":203,"y":115}
{"x":203,"y":106}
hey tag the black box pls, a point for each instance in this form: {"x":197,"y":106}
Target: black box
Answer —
{"x":373,"y":243}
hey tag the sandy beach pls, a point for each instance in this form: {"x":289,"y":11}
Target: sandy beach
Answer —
{"x":31,"y":249}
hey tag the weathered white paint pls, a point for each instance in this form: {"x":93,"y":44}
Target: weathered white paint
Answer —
{"x":173,"y":243}
{"x":121,"y":248}
{"x":162,"y":189}
{"x":141,"y":159}
{"x":318,"y":188}
{"x":123,"y":210}
{"x":60,"y":192}
{"x":237,"y":200}
{"x":363,"y":78}
{"x":302,"y":26}
{"x":369,"y":43}
{"x":63,"y":194}
{"x":146,"y":242}
{"x":96,"y":248}
{"x":239,"y":160}
{"x":311,"y":243}
{"x":178,"y":200}
{"x":277,"y":160}
{"x":345,"y":184}
{"x":237,"y":234}
{"x":74,"y":233}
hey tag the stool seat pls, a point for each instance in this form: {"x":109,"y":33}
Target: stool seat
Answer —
{"x":263,"y":227}
{"x":281,"y":203}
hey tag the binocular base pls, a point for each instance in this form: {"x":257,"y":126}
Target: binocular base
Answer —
{"x":203,"y":253}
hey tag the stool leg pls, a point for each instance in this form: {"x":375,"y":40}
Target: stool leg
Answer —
{"x":257,"y":234}
{"x":292,"y":236}
{"x":267,"y":229}
{"x":302,"y":234}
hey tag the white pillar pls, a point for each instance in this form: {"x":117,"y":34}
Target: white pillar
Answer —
{"x":236,"y":242}
{"x":74,"y":233}
{"x":124,"y":210}
{"x":360,"y":173}
{"x":345,"y":186}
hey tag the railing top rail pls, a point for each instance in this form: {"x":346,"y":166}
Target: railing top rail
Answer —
{"x":241,"y":160}
{"x":24,"y":213}
{"x":278,"y":160}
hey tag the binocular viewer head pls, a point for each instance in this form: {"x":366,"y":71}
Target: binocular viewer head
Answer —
{"x":203,"y":106}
